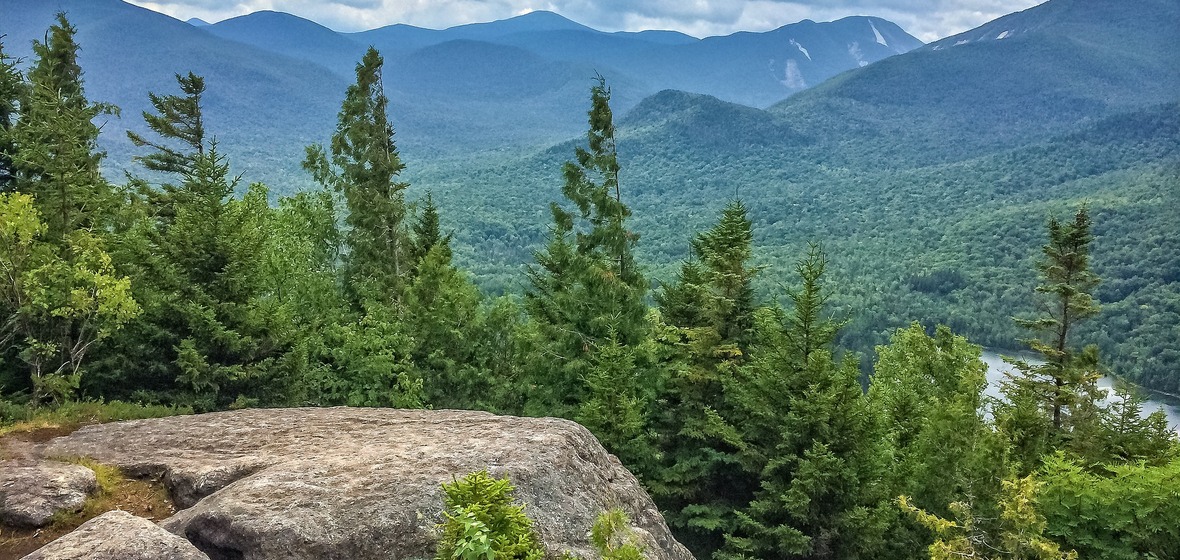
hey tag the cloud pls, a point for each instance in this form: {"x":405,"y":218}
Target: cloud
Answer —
{"x":926,"y":19}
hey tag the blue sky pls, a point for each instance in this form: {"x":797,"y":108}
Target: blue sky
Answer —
{"x":926,"y":19}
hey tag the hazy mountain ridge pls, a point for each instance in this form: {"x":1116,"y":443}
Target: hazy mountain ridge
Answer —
{"x":275,"y":80}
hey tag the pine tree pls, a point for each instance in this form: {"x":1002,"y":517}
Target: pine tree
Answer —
{"x":1064,"y":385}
{"x":712,"y":307}
{"x":362,"y":162}
{"x":809,"y":436}
{"x":586,"y":290}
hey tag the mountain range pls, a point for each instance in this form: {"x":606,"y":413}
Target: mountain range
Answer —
{"x":275,"y":81}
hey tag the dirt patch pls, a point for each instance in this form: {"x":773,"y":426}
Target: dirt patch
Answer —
{"x":143,"y":498}
{"x":27,"y":445}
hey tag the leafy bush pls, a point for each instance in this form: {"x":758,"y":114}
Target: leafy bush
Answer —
{"x":613,"y":537}
{"x":484,"y":523}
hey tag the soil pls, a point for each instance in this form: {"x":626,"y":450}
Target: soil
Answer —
{"x":144,"y":498}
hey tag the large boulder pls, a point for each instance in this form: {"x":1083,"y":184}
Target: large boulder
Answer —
{"x":353,"y":483}
{"x":118,"y":535}
{"x":30,"y":494}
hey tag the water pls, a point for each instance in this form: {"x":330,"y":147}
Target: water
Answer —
{"x":996,"y":366}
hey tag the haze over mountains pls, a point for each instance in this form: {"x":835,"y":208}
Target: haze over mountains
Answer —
{"x":278,"y":79}
{"x":939,"y":161}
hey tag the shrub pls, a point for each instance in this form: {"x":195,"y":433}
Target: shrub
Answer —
{"x":483,"y":522}
{"x":613,"y":537}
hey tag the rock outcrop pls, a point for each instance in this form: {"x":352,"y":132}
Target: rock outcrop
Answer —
{"x":118,"y":535}
{"x":353,"y":483}
{"x":30,"y":494}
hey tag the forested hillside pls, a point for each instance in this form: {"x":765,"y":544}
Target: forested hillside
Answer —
{"x":735,"y":398}
{"x":927,"y":172}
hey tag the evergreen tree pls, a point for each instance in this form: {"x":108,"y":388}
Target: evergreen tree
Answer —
{"x":586,"y":291}
{"x":362,"y":162}
{"x":930,"y":391}
{"x":13,"y":90}
{"x":51,"y":153}
{"x":428,"y":234}
{"x":212,"y":329}
{"x":58,"y":158}
{"x":1064,"y":386}
{"x":586,"y":295}
{"x":712,"y":307}
{"x":178,"y":118}
{"x":809,"y":436}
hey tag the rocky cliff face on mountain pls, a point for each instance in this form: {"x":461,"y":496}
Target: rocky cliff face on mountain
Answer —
{"x":361,"y":483}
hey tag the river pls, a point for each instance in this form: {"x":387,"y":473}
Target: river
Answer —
{"x":996,"y":366}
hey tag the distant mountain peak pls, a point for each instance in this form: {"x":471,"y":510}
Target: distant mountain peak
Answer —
{"x":197,"y":22}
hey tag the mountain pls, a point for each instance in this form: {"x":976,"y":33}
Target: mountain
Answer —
{"x":516,"y":84}
{"x":927,"y":177}
{"x":196,"y":22}
{"x":262,"y":107}
{"x":1025,"y":76}
{"x":292,"y":36}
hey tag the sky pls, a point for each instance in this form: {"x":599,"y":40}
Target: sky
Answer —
{"x":927,"y":20}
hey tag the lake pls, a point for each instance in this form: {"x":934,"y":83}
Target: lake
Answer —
{"x":996,"y":366}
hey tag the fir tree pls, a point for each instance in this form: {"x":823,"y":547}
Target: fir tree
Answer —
{"x":13,"y":90}
{"x":178,"y":118}
{"x":362,"y":162}
{"x":809,"y":436}
{"x":586,"y":291}
{"x":58,"y":159}
{"x":1063,"y":387}
{"x":712,"y":306}
{"x":587,"y":297}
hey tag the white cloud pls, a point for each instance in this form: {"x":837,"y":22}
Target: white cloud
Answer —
{"x":926,"y":19}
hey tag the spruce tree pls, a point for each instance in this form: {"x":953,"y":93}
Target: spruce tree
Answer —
{"x":363,"y":164}
{"x":809,"y":436}
{"x":712,"y":306}
{"x":586,"y":291}
{"x":1063,"y":387}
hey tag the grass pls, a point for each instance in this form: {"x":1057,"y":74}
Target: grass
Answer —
{"x":72,"y":415}
{"x":144,"y":498}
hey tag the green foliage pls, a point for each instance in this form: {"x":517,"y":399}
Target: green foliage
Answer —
{"x":1020,"y":535}
{"x":177,"y":118}
{"x":587,"y":297}
{"x":16,"y":418}
{"x":613,"y":537}
{"x":809,"y":436}
{"x":482,"y":522}
{"x":930,"y":391}
{"x":56,"y":309}
{"x":1129,"y":511}
{"x":13,"y":90}
{"x":57,"y":157}
{"x":1066,"y":378}
{"x":363,"y":164}
{"x":711,"y":309}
